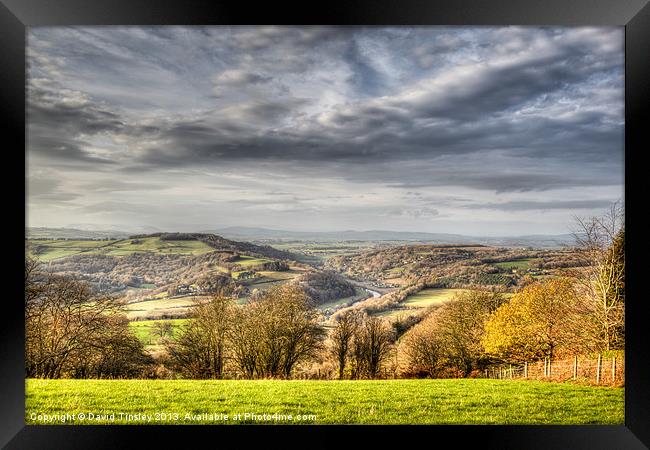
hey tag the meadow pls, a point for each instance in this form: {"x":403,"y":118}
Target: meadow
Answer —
{"x":451,"y":401}
{"x":165,"y":306}
{"x":420,"y":301}
{"x":143,"y":329}
{"x":246,"y":261}
{"x":518,"y":264}
{"x":49,"y":250}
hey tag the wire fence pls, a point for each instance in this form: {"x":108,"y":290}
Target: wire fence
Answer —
{"x":596,"y":370}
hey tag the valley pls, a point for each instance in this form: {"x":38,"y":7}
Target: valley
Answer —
{"x":162,"y":276}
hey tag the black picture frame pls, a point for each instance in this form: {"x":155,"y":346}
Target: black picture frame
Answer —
{"x":634,"y":15}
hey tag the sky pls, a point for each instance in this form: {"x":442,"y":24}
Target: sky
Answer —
{"x":482,"y":131}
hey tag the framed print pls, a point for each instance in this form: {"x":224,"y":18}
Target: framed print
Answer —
{"x":363,"y":219}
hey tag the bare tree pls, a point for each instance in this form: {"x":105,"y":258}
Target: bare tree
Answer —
{"x":345,"y":328}
{"x":601,"y":241}
{"x":372,"y":346}
{"x":447,"y":342}
{"x":274,"y":332}
{"x":243,"y":338}
{"x":423,"y":349}
{"x":201,"y":350}
{"x":69,"y":332}
{"x":116,"y":353}
{"x":288,"y":329}
{"x":162,"y":329}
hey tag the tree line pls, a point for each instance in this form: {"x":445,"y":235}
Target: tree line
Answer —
{"x":73,"y":332}
{"x":581,"y":312}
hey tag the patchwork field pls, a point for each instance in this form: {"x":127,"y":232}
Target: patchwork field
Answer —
{"x":156,"y":245}
{"x":154,"y":309}
{"x":458,"y":401}
{"x":47,"y":250}
{"x":317,"y":252}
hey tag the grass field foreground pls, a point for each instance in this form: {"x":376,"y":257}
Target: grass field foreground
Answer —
{"x":474,"y":401}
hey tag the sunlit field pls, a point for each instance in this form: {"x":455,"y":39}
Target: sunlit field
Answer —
{"x":457,"y":401}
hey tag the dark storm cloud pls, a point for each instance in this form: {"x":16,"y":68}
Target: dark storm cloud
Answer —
{"x":517,"y":110}
{"x":444,"y":116}
{"x":57,"y":124}
{"x":493,"y":90}
{"x":386,"y":141}
{"x":498,"y":179}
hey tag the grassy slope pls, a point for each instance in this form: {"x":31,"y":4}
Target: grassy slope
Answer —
{"x":420,"y":300}
{"x":176,"y":305}
{"x":516,"y":264}
{"x":369,"y":402}
{"x":60,"y":248}
{"x":143,"y":328}
{"x":431,"y":296}
{"x":245,"y":261}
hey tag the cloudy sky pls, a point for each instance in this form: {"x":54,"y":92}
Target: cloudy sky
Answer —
{"x":484,"y":131}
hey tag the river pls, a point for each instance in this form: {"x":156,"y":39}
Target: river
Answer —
{"x":371,"y":292}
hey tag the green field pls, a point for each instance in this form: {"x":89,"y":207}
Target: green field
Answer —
{"x":317,"y":252}
{"x":464,"y":401}
{"x":54,"y":249}
{"x":420,"y":301}
{"x":519,"y":264}
{"x":246,"y":261}
{"x":428,"y":297}
{"x":153,"y":308}
{"x":143,"y":328}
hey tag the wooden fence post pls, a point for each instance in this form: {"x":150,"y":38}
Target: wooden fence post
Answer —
{"x":575,"y":367}
{"x":598,"y":368}
{"x":549,"y":367}
{"x":525,"y":369}
{"x":614,"y":369}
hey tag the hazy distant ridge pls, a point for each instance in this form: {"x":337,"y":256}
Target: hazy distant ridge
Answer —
{"x":257,"y":234}
{"x":252,"y":233}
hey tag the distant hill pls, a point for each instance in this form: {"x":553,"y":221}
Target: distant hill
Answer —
{"x":65,"y":243}
{"x":265,"y":234}
{"x":261,"y":234}
{"x":221,"y":244}
{"x":73,"y":233}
